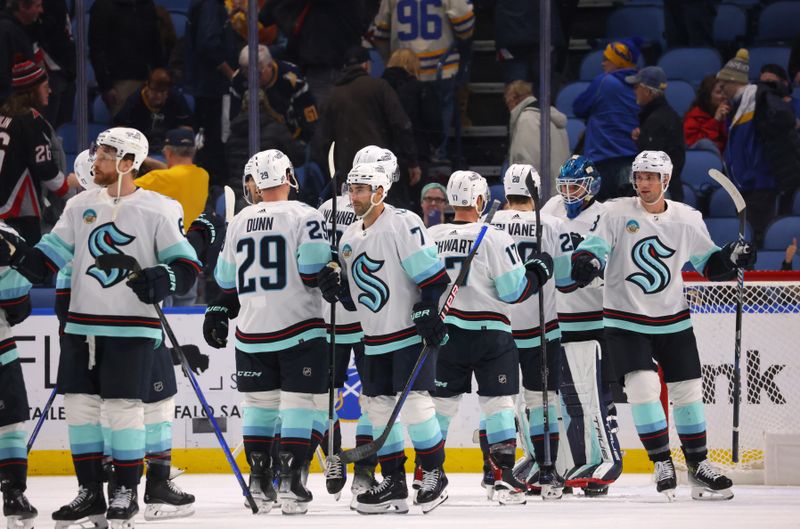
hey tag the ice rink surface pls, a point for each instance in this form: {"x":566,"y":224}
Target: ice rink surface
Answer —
{"x":632,"y":503}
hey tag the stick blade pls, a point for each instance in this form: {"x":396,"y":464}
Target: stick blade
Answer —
{"x":358,"y":453}
{"x":117,"y":260}
{"x":230,"y":204}
{"x":728,"y":185}
{"x":331,"y":163}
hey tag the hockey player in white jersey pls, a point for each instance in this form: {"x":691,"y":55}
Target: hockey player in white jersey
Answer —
{"x":268,"y":275}
{"x":349,"y":337}
{"x":111,"y":327}
{"x":587,"y":372}
{"x":15,"y":306}
{"x":395,"y":280}
{"x":479,"y":325}
{"x":641,"y":243}
{"x":520,"y":222}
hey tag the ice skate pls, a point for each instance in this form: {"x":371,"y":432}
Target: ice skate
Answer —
{"x":166,"y":500}
{"x":87,"y":510}
{"x":18,"y":511}
{"x":708,"y":484}
{"x":363,"y":480}
{"x":292,"y":491}
{"x":261,"y":483}
{"x":335,"y":476}
{"x":487,"y":481}
{"x":551,"y":482}
{"x":389,"y":495}
{"x":507,"y":489}
{"x":433,"y":491}
{"x":664,"y":475}
{"x":122,"y":508}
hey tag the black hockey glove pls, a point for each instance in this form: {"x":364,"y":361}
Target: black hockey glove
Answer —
{"x":215,"y":326}
{"x":585,"y":268}
{"x":153,"y":284}
{"x":740,"y":254}
{"x":198,"y":362}
{"x":541,"y":264}
{"x":329,"y":280}
{"x":430,"y":326}
{"x":7,"y":256}
{"x":16,"y":309}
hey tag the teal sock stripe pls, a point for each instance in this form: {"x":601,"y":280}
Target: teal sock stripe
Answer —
{"x":425,"y":435}
{"x":259,"y":422}
{"x":87,"y":439}
{"x":394,"y":443}
{"x":296,"y":423}
{"x":536,"y":419}
{"x":500,"y":427}
{"x":128,"y":444}
{"x":320,"y":421}
{"x":106,"y":441}
{"x":649,"y":417}
{"x":690,"y":418}
{"x":13,"y":445}
{"x":364,"y":427}
{"x":444,"y":424}
{"x":158,"y":437}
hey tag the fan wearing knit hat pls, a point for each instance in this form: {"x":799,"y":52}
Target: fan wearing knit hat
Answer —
{"x":30,"y":89}
{"x":735,"y":74}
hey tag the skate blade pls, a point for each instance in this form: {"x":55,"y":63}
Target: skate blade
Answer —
{"x":337,"y":496}
{"x":264,"y":505}
{"x":164,"y":511}
{"x":95,"y":521}
{"x":510,"y":497}
{"x":431,"y":505}
{"x":292,"y":508}
{"x":550,"y":493}
{"x":706,"y":494}
{"x":489,"y":491}
{"x":392,"y":506}
{"x":19,"y":522}
{"x":122,"y":524}
{"x":669,"y":494}
{"x":174,"y":472}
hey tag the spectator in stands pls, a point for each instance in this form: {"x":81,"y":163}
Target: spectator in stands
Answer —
{"x":609,"y":106}
{"x":524,"y":127}
{"x":706,"y":119}
{"x":124,"y":45}
{"x":58,"y":48}
{"x":286,"y":90}
{"x":361,"y":111}
{"x":15,"y":43}
{"x":212,"y":48}
{"x":763,"y":151}
{"x":434,"y":202}
{"x":790,"y":251}
{"x":28,"y":167}
{"x":155,"y":109}
{"x":660,"y":127}
{"x":443,"y":37}
{"x":774,"y":73}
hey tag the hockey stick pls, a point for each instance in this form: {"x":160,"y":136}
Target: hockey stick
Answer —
{"x":127,"y":262}
{"x":741,"y":207}
{"x":332,"y":349}
{"x":42,"y":417}
{"x":360,"y":452}
{"x":534,"y":191}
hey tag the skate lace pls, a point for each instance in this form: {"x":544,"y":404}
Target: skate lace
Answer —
{"x":430,"y":478}
{"x":83,"y":493}
{"x":705,"y":469}
{"x":174,"y":488}
{"x":664,"y":470}
{"x":334,"y":470}
{"x":122,"y":498}
{"x":382,"y":486}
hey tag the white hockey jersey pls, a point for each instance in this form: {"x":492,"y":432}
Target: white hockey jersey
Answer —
{"x":580,"y":310}
{"x":643,"y":254}
{"x":495,"y":279}
{"x":272,"y":254}
{"x":348,"y":326}
{"x":427,"y":27}
{"x":521,"y":225}
{"x":148,"y":227}
{"x":387,"y":264}
{"x":13,"y":289}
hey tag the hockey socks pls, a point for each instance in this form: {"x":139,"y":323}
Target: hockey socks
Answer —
{"x":690,"y":422}
{"x":158,"y":435}
{"x":364,"y":436}
{"x":391,"y":456}
{"x":258,"y":429}
{"x":85,"y":437}
{"x":14,"y":455}
{"x":428,"y":443}
{"x":536,"y":419}
{"x":500,"y":427}
{"x":651,"y":425}
{"x":297,"y":420}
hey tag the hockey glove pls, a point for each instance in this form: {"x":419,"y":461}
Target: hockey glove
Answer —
{"x":430,"y":326}
{"x":16,"y":309}
{"x":329,"y":280}
{"x":585,"y":268}
{"x":215,"y":326}
{"x":541,"y":264}
{"x":198,"y":362}
{"x":9,"y":257}
{"x":740,"y":254}
{"x":153,"y":284}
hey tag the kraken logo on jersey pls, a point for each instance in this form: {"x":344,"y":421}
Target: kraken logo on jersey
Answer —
{"x":375,"y":293}
{"x":104,"y":240}
{"x":648,"y":255}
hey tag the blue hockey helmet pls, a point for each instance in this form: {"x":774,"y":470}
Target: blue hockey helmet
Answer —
{"x":577,"y":182}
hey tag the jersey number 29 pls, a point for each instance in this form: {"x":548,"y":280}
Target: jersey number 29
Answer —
{"x":271,"y":253}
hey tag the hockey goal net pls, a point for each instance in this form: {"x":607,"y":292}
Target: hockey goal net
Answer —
{"x":770,"y":366}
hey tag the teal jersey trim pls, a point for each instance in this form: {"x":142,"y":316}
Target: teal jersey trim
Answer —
{"x":422,"y":265}
{"x":180,"y":250}
{"x":580,"y":326}
{"x":280,"y":345}
{"x":312,"y":257}
{"x":225,"y":274}
{"x":346,"y":338}
{"x":64,"y":277}
{"x":699,"y":261}
{"x":530,"y":343}
{"x":9,"y":356}
{"x":392,"y":346}
{"x":647,"y":329}
{"x":597,"y":246}
{"x":477,"y":325}
{"x":118,"y":332}
{"x":562,"y":266}
{"x":56,"y":249}
{"x":511,"y":285}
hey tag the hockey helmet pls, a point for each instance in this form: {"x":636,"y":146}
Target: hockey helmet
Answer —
{"x":375,"y":175}
{"x":373,"y":153}
{"x":84,"y":170}
{"x":126,"y":141}
{"x":464,"y":188}
{"x":270,"y":168}
{"x":514,"y":179}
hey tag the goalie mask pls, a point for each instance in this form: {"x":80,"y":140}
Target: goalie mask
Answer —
{"x":268,"y":169}
{"x":373,"y":154}
{"x":514,"y":179}
{"x":465,"y":187}
{"x":652,"y":162}
{"x":578,"y":181}
{"x":84,"y":170}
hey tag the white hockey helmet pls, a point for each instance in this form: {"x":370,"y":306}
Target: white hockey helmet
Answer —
{"x":126,"y":141}
{"x":464,"y":188}
{"x":373,"y":153}
{"x":84,"y":170}
{"x":652,"y":162}
{"x":375,"y":175}
{"x":270,"y":168}
{"x":514,"y":179}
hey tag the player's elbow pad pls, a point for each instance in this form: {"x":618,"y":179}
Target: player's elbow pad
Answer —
{"x":719,"y":267}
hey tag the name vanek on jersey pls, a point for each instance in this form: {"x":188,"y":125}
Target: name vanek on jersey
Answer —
{"x":348,"y":326}
{"x":496,"y":276}
{"x":272,"y":254}
{"x":580,"y":310}
{"x":521,"y":225}
{"x":643,"y":254}
{"x":13,"y":289}
{"x":148,"y":227}
{"x":387,"y":264}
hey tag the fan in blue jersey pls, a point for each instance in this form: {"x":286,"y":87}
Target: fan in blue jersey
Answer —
{"x":394,"y":280}
{"x":592,"y":459}
{"x":112,"y":328}
{"x":479,"y":325}
{"x":268,"y":275}
{"x":640,"y":244}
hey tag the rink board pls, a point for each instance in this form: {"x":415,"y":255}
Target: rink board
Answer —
{"x":195,"y":446}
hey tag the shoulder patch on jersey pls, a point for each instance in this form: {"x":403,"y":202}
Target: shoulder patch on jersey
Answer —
{"x":347,"y":251}
{"x":632,"y":226}
{"x":89,"y":216}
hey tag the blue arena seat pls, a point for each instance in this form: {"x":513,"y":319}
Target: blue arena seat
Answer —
{"x":695,"y":171}
{"x":725,"y":230}
{"x":770,"y":259}
{"x":567,"y":95}
{"x":778,"y":22}
{"x":780,"y":233}
{"x":575,"y":128}
{"x":179,"y":20}
{"x":761,"y":55}
{"x":680,"y":95}
{"x":100,"y":112}
{"x":637,"y":20}
{"x":730,"y":24}
{"x":497,"y":192}
{"x":721,"y":204}
{"x":689,"y":196}
{"x":690,"y":64}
